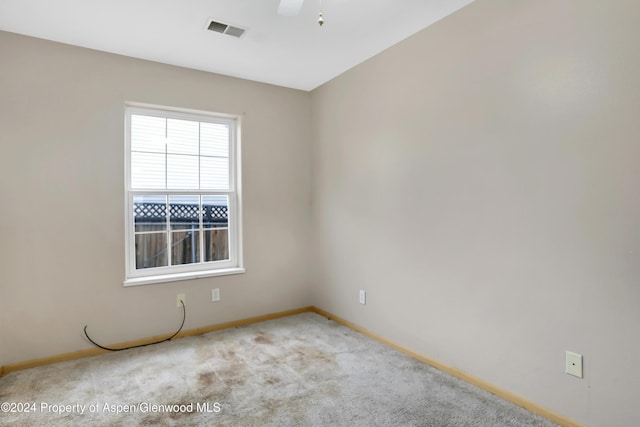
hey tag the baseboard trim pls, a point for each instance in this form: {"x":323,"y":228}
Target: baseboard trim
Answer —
{"x":96,"y":351}
{"x":504,"y":394}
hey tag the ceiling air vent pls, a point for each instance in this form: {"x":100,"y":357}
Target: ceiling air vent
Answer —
{"x":222,"y":28}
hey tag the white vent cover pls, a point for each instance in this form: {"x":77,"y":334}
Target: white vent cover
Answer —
{"x":222,"y":28}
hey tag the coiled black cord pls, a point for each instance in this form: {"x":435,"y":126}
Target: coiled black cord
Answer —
{"x":184,"y":316}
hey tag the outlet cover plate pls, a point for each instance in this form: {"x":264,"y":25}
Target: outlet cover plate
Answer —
{"x":179,"y":298}
{"x":573,"y":364}
{"x":215,"y":294}
{"x":363,"y":296}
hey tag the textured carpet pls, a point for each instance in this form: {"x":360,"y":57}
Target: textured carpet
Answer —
{"x":301,"y":370}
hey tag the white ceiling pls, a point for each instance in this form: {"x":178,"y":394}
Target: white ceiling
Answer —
{"x":287,"y":51}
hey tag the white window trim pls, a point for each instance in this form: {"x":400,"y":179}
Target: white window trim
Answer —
{"x":189,"y":271}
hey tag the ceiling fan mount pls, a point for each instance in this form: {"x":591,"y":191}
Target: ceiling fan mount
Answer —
{"x":290,"y":7}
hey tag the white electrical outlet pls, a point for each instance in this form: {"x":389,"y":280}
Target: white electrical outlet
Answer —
{"x":573,"y":364}
{"x":215,"y":294}
{"x":180,"y":299}
{"x":363,"y":296}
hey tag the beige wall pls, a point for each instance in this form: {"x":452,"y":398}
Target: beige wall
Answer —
{"x":62,"y":201}
{"x":481,"y":181}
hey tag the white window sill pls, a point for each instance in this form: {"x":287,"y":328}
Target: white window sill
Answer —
{"x":176,"y":277}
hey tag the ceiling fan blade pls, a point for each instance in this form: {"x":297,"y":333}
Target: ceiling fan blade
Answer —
{"x":289,"y":7}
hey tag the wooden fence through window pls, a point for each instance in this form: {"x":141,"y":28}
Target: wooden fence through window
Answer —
{"x":151,"y":234}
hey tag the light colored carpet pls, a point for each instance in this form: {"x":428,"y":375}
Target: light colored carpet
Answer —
{"x":302,"y":370}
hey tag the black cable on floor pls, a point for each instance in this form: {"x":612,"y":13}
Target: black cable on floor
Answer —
{"x":184,"y":316}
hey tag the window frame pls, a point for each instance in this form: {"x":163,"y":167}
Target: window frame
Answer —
{"x":234,"y":265}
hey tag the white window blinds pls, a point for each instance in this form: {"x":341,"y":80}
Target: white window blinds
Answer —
{"x":176,"y":154}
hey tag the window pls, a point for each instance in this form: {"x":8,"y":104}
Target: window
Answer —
{"x":182,"y":195}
